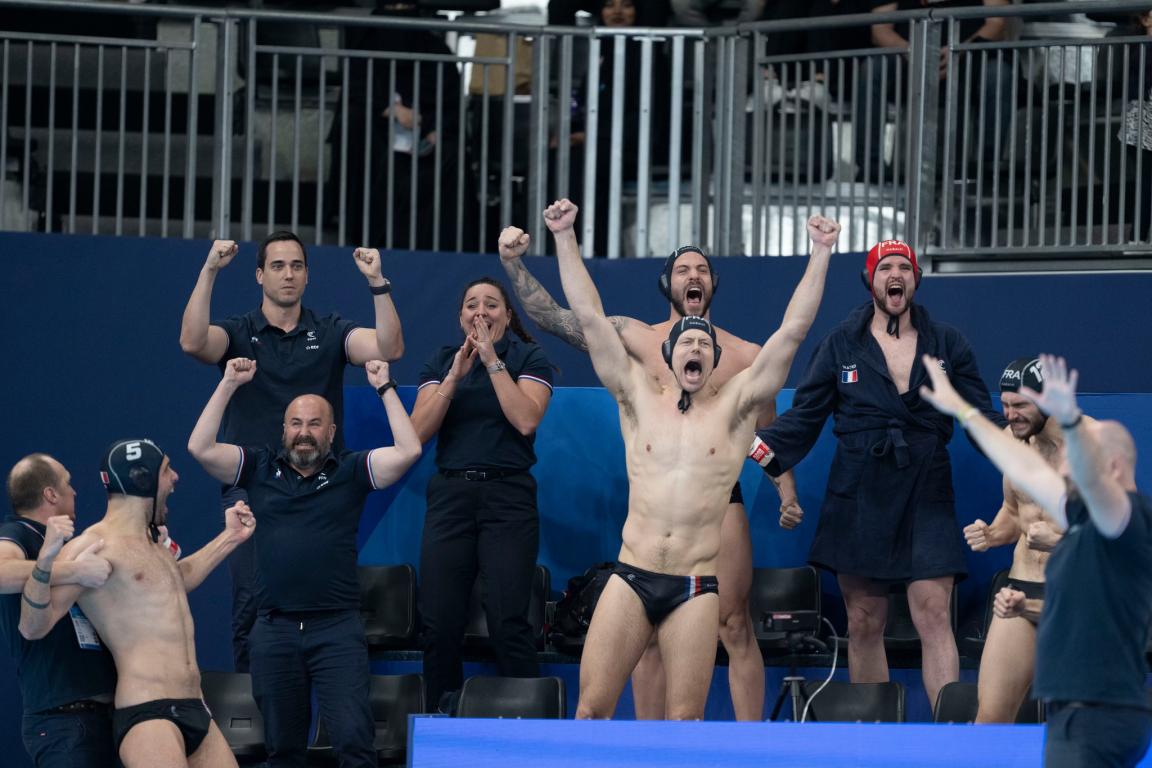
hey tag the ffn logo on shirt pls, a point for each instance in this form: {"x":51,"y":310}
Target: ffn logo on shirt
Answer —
{"x":849,"y":374}
{"x":311,"y":337}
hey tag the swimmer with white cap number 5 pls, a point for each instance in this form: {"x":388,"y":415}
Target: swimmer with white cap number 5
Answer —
{"x":141,"y":613}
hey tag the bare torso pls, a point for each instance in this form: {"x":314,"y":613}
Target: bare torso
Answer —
{"x":1028,"y":563}
{"x":899,"y":354}
{"x":142,"y":616}
{"x":681,"y":469}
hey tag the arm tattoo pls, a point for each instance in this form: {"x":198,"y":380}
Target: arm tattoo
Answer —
{"x":542,"y":308}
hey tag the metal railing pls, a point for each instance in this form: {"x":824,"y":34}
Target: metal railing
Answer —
{"x":355,"y":129}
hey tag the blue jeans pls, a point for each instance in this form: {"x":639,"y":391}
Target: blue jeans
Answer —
{"x":242,"y":570}
{"x":72,"y":740}
{"x":1095,"y":736}
{"x":291,"y":655}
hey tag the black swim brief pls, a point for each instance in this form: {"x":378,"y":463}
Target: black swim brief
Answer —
{"x":662,"y":593}
{"x":191,"y":716}
{"x":737,"y":496}
{"x":1033,"y":590}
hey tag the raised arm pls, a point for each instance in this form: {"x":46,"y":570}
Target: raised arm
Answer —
{"x":220,"y":460}
{"x":1024,"y":467}
{"x":538,"y":304}
{"x":198,"y":337}
{"x":239,"y":525}
{"x":609,"y":357}
{"x":769,"y":370}
{"x":42,"y":605}
{"x":16,"y":568}
{"x":1088,"y":462}
{"x":386,"y":342}
{"x":388,"y":464}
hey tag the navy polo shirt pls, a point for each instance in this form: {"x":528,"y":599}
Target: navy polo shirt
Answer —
{"x":54,"y":670}
{"x":306,"y":528}
{"x":308,"y":360}
{"x":475,"y":433}
{"x":1097,"y":609}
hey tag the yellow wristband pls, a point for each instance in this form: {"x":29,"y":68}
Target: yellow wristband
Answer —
{"x":963,"y":418}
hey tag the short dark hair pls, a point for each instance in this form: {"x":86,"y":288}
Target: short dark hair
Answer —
{"x":278,"y":237}
{"x":27,"y":481}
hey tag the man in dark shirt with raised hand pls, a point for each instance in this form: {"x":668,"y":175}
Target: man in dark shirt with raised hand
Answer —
{"x":298,"y":351}
{"x":1093,"y":632}
{"x":66,"y":687}
{"x":309,"y":630}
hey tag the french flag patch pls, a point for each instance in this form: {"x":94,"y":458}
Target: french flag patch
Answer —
{"x":849,"y":377}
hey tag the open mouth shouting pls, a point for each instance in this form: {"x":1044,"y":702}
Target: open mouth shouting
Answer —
{"x":693,"y":373}
{"x":694,"y":299}
{"x":895,"y":293}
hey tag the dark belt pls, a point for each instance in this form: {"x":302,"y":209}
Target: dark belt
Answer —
{"x":482,"y":474}
{"x":84,"y":705}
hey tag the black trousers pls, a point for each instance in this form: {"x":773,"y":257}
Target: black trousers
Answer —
{"x":490,"y":528}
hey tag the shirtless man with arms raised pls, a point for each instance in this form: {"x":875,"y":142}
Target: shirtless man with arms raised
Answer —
{"x":684,"y":443}
{"x":141,"y":613}
{"x":688,"y":282}
{"x":1009,"y":659}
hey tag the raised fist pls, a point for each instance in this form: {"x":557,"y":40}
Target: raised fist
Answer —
{"x":378,"y":373}
{"x":58,"y":530}
{"x":239,"y":521}
{"x":367,"y":261}
{"x":221,"y":254}
{"x":823,"y":231}
{"x":1041,"y":536}
{"x":561,"y":215}
{"x":240,"y":370}
{"x":513,"y":242}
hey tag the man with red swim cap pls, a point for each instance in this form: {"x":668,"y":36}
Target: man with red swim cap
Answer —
{"x":888,"y":515}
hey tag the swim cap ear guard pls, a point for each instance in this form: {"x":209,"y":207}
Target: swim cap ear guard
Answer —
{"x":132,"y":468}
{"x":1024,"y":371}
{"x":664,"y":282}
{"x":689,"y":323}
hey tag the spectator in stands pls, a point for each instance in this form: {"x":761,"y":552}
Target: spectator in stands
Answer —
{"x":1009,"y":658}
{"x":1090,"y":654}
{"x":889,"y":515}
{"x":298,"y":351}
{"x":617,"y":14}
{"x":484,"y":399}
{"x":66,"y":686}
{"x":1136,"y":130}
{"x":309,"y":635}
{"x":411,"y":136}
{"x":991,"y":90}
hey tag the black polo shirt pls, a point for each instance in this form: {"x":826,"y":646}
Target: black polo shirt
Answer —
{"x":475,"y":433}
{"x":54,"y":670}
{"x":1093,"y":631}
{"x":306,"y":528}
{"x":308,"y":360}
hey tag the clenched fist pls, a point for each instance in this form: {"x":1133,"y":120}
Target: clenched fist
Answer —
{"x":221,"y":255}
{"x":513,"y":242}
{"x":976,"y":535}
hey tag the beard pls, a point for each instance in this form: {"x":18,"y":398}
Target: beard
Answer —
{"x":306,"y":453}
{"x":678,"y":305}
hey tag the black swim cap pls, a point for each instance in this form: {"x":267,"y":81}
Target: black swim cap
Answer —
{"x":1024,"y":371}
{"x":132,"y":467}
{"x":690,"y":323}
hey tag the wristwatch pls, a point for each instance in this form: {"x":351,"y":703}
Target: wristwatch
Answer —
{"x":497,"y":366}
{"x":380,"y":390}
{"x":380,"y":290}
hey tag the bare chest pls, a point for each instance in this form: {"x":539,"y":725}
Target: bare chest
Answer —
{"x":899,"y":356}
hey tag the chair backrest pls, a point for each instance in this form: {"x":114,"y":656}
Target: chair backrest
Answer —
{"x":855,"y":702}
{"x":513,"y":697}
{"x":958,"y":703}
{"x":392,"y":699}
{"x":900,"y":632}
{"x":781,"y":589}
{"x":229,"y":699}
{"x":476,"y":631}
{"x":388,"y":605}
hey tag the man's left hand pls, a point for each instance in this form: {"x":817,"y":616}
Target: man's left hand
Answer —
{"x":239,"y":521}
{"x":368,"y":262}
{"x":791,"y":514}
{"x":378,"y":372}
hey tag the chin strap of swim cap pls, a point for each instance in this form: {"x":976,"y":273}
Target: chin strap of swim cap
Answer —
{"x":893,"y":324}
{"x":685,"y":401}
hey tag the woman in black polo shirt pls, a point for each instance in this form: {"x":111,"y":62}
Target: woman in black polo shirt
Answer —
{"x":484,"y":398}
